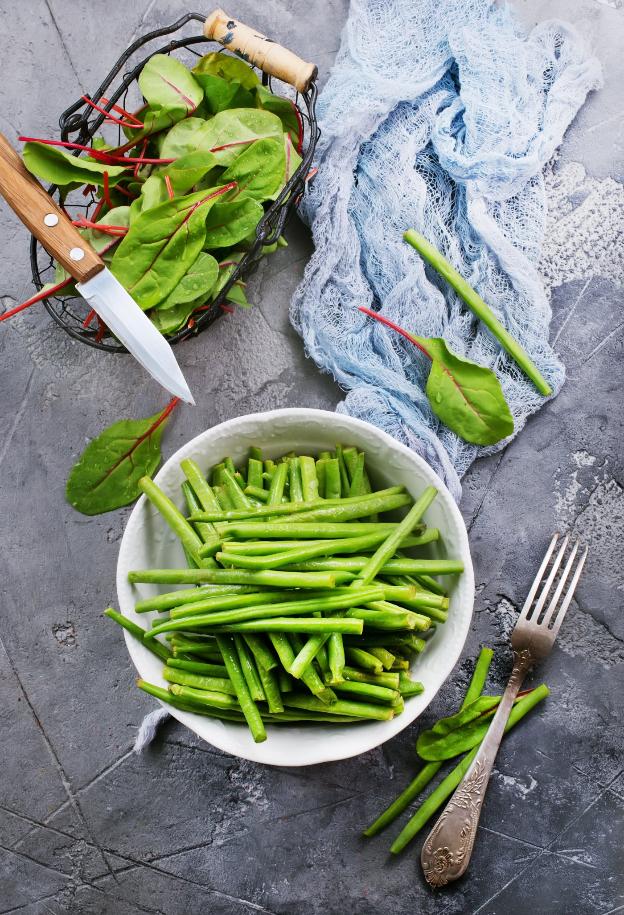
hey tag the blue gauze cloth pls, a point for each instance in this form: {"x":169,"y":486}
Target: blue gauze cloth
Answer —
{"x":438,"y":115}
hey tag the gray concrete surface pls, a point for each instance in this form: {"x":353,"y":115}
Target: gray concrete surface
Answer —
{"x":85,"y":826}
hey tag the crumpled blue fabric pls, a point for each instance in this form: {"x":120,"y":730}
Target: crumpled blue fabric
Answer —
{"x":438,"y":115}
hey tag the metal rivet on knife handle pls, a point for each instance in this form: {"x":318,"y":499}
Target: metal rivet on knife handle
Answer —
{"x":35,"y":207}
{"x":51,"y":219}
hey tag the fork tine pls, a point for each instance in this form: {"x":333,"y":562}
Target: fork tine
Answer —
{"x":560,"y":586}
{"x":549,"y":581}
{"x":536,"y":581}
{"x":566,"y":601}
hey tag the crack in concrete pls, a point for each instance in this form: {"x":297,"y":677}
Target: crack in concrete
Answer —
{"x":62,"y":42}
{"x":603,"y":343}
{"x":477,"y":512}
{"x":73,"y":800}
{"x":17,"y":417}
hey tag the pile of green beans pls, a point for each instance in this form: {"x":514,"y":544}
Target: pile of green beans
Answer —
{"x":299,"y":603}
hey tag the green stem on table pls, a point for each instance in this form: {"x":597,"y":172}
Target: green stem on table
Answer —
{"x":476,"y":304}
{"x":446,"y":787}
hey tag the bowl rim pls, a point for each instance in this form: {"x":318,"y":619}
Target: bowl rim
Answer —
{"x":261,"y":753}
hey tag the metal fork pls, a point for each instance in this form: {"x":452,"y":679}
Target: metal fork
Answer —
{"x":448,"y":847}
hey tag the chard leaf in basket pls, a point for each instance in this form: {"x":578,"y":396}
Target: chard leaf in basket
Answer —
{"x":230,"y":222}
{"x":292,"y":158}
{"x":168,"y":84}
{"x":286,"y":111}
{"x":161,"y":245}
{"x":227,"y":134}
{"x":259,"y":170}
{"x":196,"y":282}
{"x":102,"y":242}
{"x":220,"y":95}
{"x":183,"y":174}
{"x":155,"y":119}
{"x":58,"y":167}
{"x":226,"y":67}
{"x":107,"y":473}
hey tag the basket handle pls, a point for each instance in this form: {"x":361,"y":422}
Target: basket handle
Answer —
{"x":44,"y":218}
{"x":259,"y":50}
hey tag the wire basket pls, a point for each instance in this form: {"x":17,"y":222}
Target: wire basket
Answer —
{"x":80,"y":122}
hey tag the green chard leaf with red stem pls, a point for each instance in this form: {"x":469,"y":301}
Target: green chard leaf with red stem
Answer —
{"x":107,"y":473}
{"x":465,"y":396}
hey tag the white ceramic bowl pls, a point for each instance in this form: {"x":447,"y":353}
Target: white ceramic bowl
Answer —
{"x":147,"y":542}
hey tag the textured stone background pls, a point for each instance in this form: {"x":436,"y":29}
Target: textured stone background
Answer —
{"x":86,"y":827}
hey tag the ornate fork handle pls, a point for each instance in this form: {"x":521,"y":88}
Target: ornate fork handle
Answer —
{"x":448,"y":847}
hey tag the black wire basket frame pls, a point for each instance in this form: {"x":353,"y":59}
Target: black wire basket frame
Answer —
{"x":81,"y":119}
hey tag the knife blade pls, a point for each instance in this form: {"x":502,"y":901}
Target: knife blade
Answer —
{"x":104,"y":293}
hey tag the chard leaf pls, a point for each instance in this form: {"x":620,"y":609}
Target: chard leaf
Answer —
{"x":286,"y":111}
{"x":101,"y":242}
{"x":292,"y":158}
{"x":169,"y":85}
{"x":259,"y":170}
{"x":232,"y":69}
{"x":170,"y":320}
{"x":184,"y":174}
{"x":161,"y":245}
{"x":229,"y":222}
{"x":220,"y":95}
{"x":59,"y":167}
{"x":196,"y":282}
{"x":467,"y":397}
{"x":107,"y":473}
{"x":155,"y":119}
{"x":227,"y":134}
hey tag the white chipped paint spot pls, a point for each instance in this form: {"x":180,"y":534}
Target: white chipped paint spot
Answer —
{"x":584,"y":226}
{"x":521,"y":787}
{"x":583,"y":459}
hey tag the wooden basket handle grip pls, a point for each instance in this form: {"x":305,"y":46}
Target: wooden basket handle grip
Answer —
{"x":259,"y":50}
{"x":41,"y":215}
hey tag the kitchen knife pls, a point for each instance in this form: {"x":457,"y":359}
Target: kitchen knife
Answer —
{"x":104,"y":293}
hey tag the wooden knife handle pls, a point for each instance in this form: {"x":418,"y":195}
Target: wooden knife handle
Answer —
{"x":256,"y":48}
{"x":44,"y":218}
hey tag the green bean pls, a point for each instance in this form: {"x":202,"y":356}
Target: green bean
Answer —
{"x":357,"y":477}
{"x":205,"y":697}
{"x":295,"y":624}
{"x":269,"y":469}
{"x":363,"y":506}
{"x":341,"y":707}
{"x":307,"y":654}
{"x":476,"y":304}
{"x":277,"y":560}
{"x":268,"y":578}
{"x":294,"y":479}
{"x":309,"y":480}
{"x":265,"y":659}
{"x":332,"y":479}
{"x":410,"y":596}
{"x":248,"y":666}
{"x":413,"y":620}
{"x":235,"y":673}
{"x":229,"y":464}
{"x":223,"y":498}
{"x":276,"y":490}
{"x":361,"y":658}
{"x":211,"y":542}
{"x":254,"y":473}
{"x":409,"y":687}
{"x":391,"y":680}
{"x":344,"y":476}
{"x":174,"y":518}
{"x":357,"y":563}
{"x":202,"y":490}
{"x":215,"y":476}
{"x":198,"y":667}
{"x":255,"y":453}
{"x":391,"y":544}
{"x":320,"y":476}
{"x":188,"y":706}
{"x":239,"y":608}
{"x":222,"y":602}
{"x":234,"y":490}
{"x":285,"y":653}
{"x":336,"y":657}
{"x":446,"y":787}
{"x":302,"y":530}
{"x":286,"y":682}
{"x":199,"y":681}
{"x":382,"y":654}
{"x":430,"y":584}
{"x":255,"y":492}
{"x":205,"y":649}
{"x":370,"y":691}
{"x":379,"y":619}
{"x":259,"y":512}
{"x":161,"y":651}
{"x":429,"y":771}
{"x":270,"y":685}
{"x":323,"y":659}
{"x":400,"y":664}
{"x":162,"y":602}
